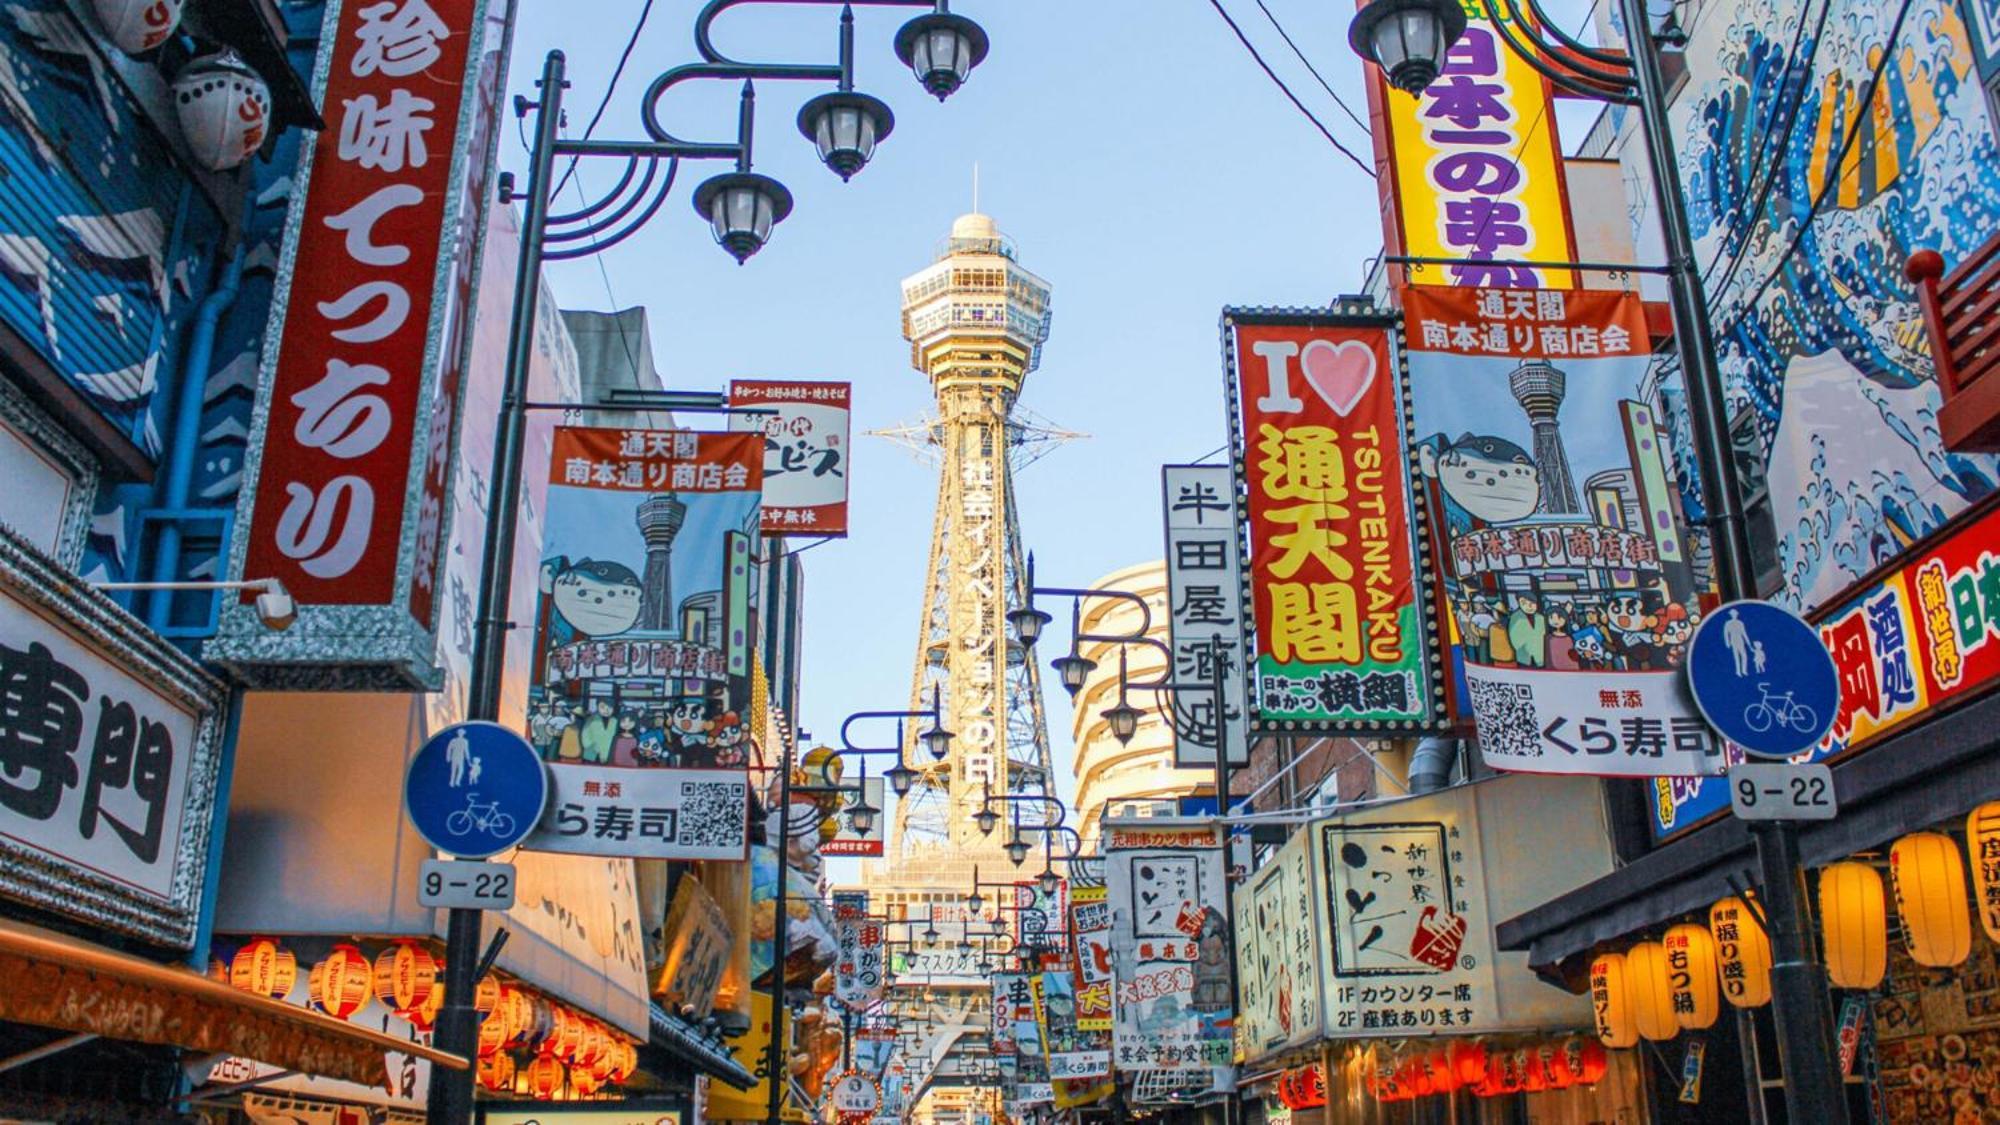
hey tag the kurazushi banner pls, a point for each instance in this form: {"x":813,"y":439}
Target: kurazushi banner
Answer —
{"x":1343,"y":635}
{"x":639,"y":694}
{"x":1566,"y":563}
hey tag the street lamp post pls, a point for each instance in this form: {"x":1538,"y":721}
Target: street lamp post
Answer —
{"x":1408,"y":40}
{"x":742,"y":207}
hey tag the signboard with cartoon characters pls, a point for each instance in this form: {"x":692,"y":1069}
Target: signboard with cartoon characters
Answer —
{"x":1566,"y":565}
{"x":634,"y":697}
{"x":1170,"y":953}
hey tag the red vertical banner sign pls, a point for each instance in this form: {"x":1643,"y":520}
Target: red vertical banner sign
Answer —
{"x":355,"y":407}
{"x":1344,"y":642}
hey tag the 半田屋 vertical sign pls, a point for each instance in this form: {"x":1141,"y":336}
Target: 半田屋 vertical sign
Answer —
{"x":1205,"y":612}
{"x":1344,"y":641}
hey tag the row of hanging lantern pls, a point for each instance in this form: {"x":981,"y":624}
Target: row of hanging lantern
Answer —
{"x":570,"y":1052}
{"x":223,"y":107}
{"x":1655,"y":990}
{"x":1485,"y":1070}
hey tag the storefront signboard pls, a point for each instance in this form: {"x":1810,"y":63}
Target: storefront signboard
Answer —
{"x":1169,"y":947}
{"x":1204,"y":610}
{"x":1280,"y":916}
{"x":698,"y":944}
{"x":858,"y":970}
{"x":109,"y":745}
{"x":1344,"y":641}
{"x":1090,"y":925}
{"x":805,"y":453}
{"x":1072,"y":1053}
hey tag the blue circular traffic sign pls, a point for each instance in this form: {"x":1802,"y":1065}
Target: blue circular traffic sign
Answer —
{"x":1762,"y":679}
{"x":475,"y":789}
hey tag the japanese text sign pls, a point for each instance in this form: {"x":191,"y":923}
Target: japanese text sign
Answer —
{"x":1072,"y":1053}
{"x":109,"y":742}
{"x":1205,"y":612}
{"x":858,"y":964}
{"x":1562,"y":549}
{"x":1170,"y":948}
{"x":1342,"y":630}
{"x":698,"y":946}
{"x":805,"y":453}
{"x":1278,"y":926}
{"x":1090,"y":926}
{"x":355,"y":418}
{"x":1925,"y":635}
{"x":1471,"y":169}
{"x":632,"y":699}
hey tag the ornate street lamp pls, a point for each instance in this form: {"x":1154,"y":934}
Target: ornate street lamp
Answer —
{"x":1074,"y":668}
{"x":1049,"y":882}
{"x":901,"y":778}
{"x":941,"y":49}
{"x":845,"y":127}
{"x":1407,"y":38}
{"x":986,"y":819}
{"x":741,"y":208}
{"x":862,"y":816}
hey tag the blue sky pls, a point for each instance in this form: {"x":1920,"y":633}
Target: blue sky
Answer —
{"x":1136,"y":155}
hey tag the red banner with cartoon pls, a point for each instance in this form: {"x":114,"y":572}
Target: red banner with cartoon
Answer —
{"x":1562,"y":551}
{"x":1320,"y":442}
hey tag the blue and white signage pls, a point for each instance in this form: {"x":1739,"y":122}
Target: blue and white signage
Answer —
{"x":1762,"y":679}
{"x":475,"y":789}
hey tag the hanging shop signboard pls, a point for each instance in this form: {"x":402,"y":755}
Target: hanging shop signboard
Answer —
{"x":1344,"y":640}
{"x":699,"y":940}
{"x":1561,"y":547}
{"x":1090,"y":926}
{"x":1170,"y":947}
{"x":1038,"y":917}
{"x":1925,"y":635}
{"x":1471,"y":169}
{"x":1072,"y":1054}
{"x":858,"y":969}
{"x":345,"y":488}
{"x":640,"y":687}
{"x":1204,"y":612}
{"x":1279,"y":919}
{"x":805,"y":453}
{"x":109,"y":744}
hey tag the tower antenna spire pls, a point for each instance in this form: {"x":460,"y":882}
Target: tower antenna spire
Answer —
{"x":975,"y":187}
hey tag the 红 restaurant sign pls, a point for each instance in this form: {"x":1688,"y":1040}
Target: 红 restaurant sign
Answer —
{"x":109,"y":744}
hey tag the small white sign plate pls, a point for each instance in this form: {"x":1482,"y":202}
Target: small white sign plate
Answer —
{"x":1781,"y":791}
{"x":466,"y":884}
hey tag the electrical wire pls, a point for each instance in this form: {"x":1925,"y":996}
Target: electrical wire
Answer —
{"x":617,"y":72}
{"x":1310,"y":68}
{"x":1864,"y":111}
{"x":1287,"y":90}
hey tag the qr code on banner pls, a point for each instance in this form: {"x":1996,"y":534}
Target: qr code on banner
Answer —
{"x":714,"y":814}
{"x":1505,"y":714}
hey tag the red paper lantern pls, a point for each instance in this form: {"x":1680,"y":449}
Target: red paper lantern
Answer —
{"x":496,"y":1071}
{"x":338,"y":985}
{"x":1311,"y":1088}
{"x":545,"y":1076}
{"x":1468,"y":1063}
{"x":1587,"y":1059}
{"x":1438,"y":1065}
{"x":1555,"y":1065}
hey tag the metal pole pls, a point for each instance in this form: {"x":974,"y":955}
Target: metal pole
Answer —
{"x":450,"y":1099}
{"x":1800,"y":1005}
{"x":1232,"y":1108}
{"x":780,"y":938}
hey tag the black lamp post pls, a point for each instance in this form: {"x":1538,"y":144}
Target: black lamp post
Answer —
{"x":1408,"y":39}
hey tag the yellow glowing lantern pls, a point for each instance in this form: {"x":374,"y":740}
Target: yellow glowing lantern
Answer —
{"x":339,"y":985}
{"x":492,"y":1036}
{"x":545,"y":1076}
{"x":1854,"y":916}
{"x":405,"y":975}
{"x":1742,"y":954}
{"x":628,"y":1061}
{"x":262,"y":969}
{"x":1930,"y":896}
{"x":1611,"y":999}
{"x":1982,"y":839}
{"x":568,"y":1033}
{"x":496,"y":1071}
{"x":1647,"y":979}
{"x":592,"y":1043}
{"x":1691,"y":975}
{"x":486,"y":994}
{"x":217,"y":971}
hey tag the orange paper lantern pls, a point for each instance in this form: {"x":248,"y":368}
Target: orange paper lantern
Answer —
{"x":339,"y":985}
{"x":545,"y":1076}
{"x":262,"y":969}
{"x":486,"y":994}
{"x":405,"y":974}
{"x":1647,"y":978}
{"x":1611,"y":1001}
{"x":1982,"y":839}
{"x":496,"y":1071}
{"x":1691,"y":975}
{"x":1854,"y":919}
{"x":1742,"y":954}
{"x":1468,"y":1063}
{"x":1930,"y":896}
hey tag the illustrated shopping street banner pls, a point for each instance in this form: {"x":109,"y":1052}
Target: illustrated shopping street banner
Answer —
{"x":1071,"y":1053}
{"x":640,"y":687}
{"x":1170,"y":950}
{"x":1562,"y":550}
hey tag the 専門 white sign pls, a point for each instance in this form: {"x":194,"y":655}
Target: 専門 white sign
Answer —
{"x":108,"y":757}
{"x":1205,"y":611}
{"x":805,"y":452}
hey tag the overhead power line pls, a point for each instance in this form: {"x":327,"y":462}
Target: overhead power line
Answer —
{"x":1313,"y":70}
{"x":1287,"y":90}
{"x":617,"y":72}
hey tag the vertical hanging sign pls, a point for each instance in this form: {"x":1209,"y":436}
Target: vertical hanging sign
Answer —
{"x":1170,"y":944}
{"x":1205,"y":615}
{"x":857,"y":969}
{"x":805,"y":453}
{"x":1344,"y":640}
{"x":352,"y":389}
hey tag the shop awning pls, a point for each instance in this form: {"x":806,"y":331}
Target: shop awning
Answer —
{"x":676,"y":1037}
{"x":1932,"y":772}
{"x":63,"y":982}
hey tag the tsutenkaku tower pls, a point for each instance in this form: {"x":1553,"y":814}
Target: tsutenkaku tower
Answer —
{"x":976,"y":321}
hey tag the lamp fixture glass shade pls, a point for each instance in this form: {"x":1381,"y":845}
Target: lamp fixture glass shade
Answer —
{"x":741,"y":208}
{"x":862,"y":817}
{"x":930,"y":935}
{"x":987,"y":820}
{"x":1407,"y":38}
{"x":1017,"y":850}
{"x":846,"y":126}
{"x":1124,"y":720}
{"x":975,"y":902}
{"x":901,"y":778}
{"x":941,"y":49}
{"x":1050,"y":883}
{"x":1028,"y":623}
{"x":1854,"y":917}
{"x":937,"y":740}
{"x":1929,"y":879}
{"x":1074,"y":669}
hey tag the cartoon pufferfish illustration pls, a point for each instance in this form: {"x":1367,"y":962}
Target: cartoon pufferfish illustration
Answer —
{"x":1490,"y":477}
{"x":596,"y":598}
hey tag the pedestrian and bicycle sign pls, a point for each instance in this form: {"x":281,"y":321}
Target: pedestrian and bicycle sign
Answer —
{"x":475,"y":789}
{"x":1763,"y":680}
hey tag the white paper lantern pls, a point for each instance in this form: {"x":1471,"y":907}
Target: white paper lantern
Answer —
{"x":138,"y":26}
{"x":224,"y":110}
